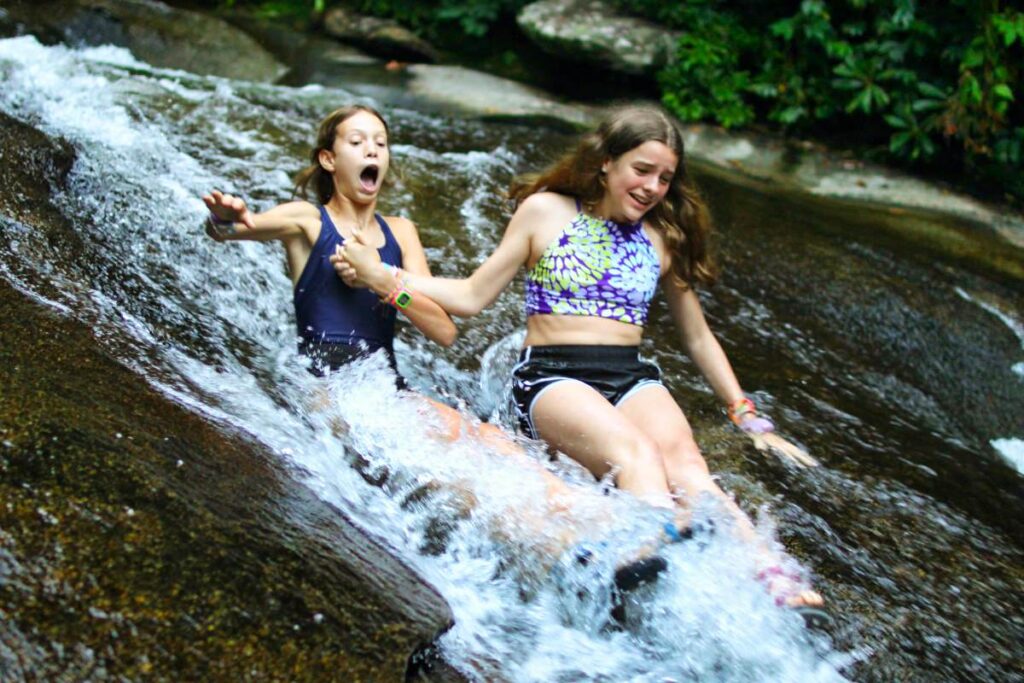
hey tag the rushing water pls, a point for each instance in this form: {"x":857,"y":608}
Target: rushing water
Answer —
{"x":901,"y":375}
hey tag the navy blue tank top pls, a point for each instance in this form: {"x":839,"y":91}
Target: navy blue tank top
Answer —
{"x":328,"y":310}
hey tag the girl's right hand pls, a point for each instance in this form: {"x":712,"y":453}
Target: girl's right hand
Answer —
{"x":226,"y":209}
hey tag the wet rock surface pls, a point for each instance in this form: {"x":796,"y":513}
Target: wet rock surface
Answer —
{"x":154,"y":33}
{"x":140,"y":542}
{"x":494,"y":98}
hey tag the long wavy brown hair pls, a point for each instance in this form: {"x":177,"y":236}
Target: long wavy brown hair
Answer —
{"x":314,"y":175}
{"x":681,"y":217}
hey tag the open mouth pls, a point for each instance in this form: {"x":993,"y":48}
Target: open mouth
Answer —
{"x":642,"y":201}
{"x":368,"y":178}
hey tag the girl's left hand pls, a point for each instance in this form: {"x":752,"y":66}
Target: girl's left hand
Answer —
{"x":344,"y":269}
{"x":359,"y":265}
{"x":755,"y":424}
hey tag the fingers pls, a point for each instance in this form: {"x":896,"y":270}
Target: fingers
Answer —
{"x":228,"y":207}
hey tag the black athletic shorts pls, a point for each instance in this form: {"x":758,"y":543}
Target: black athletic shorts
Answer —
{"x":330,"y":356}
{"x":614,"y":371}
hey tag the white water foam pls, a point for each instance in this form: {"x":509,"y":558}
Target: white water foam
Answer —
{"x":214,"y":321}
{"x":1012,"y":450}
{"x":1012,"y":322}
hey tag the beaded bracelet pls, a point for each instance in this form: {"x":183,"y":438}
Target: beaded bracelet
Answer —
{"x":399,"y":297}
{"x":739,"y":408}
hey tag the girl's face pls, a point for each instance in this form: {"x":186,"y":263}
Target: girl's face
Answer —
{"x":360,"y":157}
{"x":636,"y":181}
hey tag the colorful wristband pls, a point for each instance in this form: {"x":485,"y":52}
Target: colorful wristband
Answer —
{"x":399,"y":297}
{"x":739,"y":408}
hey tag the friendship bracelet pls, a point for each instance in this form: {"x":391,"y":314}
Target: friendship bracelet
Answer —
{"x":739,"y":408}
{"x":221,"y":226}
{"x":399,"y":297}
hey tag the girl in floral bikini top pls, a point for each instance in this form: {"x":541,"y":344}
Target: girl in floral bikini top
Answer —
{"x":597,"y":232}
{"x":595,"y":268}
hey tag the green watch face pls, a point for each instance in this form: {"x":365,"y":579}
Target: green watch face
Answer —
{"x":403,"y":299}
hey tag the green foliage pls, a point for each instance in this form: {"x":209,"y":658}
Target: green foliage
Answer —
{"x":433,"y":18}
{"x":928,"y":84}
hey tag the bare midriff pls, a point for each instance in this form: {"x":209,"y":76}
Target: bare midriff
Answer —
{"x":560,"y":330}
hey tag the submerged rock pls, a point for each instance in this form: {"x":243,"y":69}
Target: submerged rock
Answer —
{"x":154,"y":33}
{"x":140,"y":542}
{"x":592,"y":31}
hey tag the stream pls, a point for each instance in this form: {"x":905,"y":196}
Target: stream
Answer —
{"x":902,"y":374}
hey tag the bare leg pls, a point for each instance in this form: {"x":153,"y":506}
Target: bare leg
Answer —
{"x":455,"y":425}
{"x":653,"y":411}
{"x":577,"y":420}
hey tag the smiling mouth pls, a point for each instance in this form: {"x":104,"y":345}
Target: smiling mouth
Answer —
{"x":369,"y":177}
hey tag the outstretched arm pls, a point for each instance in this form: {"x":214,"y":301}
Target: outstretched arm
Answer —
{"x":468,"y":296}
{"x":703,"y":347}
{"x":231,"y":219}
{"x":700,"y":343}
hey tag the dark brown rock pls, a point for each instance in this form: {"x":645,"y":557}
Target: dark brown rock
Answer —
{"x":140,"y":542}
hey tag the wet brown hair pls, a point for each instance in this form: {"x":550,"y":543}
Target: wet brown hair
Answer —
{"x":314,"y":174}
{"x":681,"y":217}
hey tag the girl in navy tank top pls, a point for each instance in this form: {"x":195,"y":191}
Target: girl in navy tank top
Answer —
{"x":338,"y":320}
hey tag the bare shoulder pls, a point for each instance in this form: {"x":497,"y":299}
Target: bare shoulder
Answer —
{"x":660,"y":248}
{"x":401,"y":226}
{"x":302,"y":210}
{"x":550,"y":203}
{"x":293,"y":212}
{"x":405,"y":232}
{"x":542,"y":212}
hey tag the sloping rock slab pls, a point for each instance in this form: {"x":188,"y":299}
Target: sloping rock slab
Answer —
{"x":592,"y":31}
{"x":493,"y":98}
{"x":139,"y":541}
{"x":155,"y":33}
{"x":380,"y":37}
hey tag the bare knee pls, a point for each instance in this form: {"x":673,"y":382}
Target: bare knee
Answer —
{"x":684,"y":463}
{"x":640,"y":455}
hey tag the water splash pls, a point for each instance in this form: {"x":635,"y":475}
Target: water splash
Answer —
{"x":209,"y":325}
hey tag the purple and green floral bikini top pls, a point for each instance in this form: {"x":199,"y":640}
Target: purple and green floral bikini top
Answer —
{"x":595,"y":267}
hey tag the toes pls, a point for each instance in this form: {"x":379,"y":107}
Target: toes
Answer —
{"x":807,"y":598}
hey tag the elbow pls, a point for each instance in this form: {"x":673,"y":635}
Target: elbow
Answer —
{"x":447,"y":336}
{"x":467,"y":309}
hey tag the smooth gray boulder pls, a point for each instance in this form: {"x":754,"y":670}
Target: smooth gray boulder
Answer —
{"x":380,"y":37}
{"x":490,"y":97}
{"x":155,"y":33}
{"x":592,"y":31}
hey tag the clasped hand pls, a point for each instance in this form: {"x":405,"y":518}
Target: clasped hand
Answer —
{"x":356,"y":262}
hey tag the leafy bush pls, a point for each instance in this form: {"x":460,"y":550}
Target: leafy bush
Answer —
{"x":433,"y":17}
{"x":921,"y":84}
